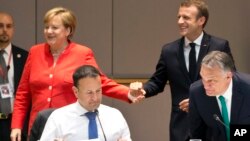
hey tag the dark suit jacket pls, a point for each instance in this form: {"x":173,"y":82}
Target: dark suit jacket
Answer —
{"x":171,"y":68}
{"x":19,"y":59}
{"x":203,"y":107}
{"x":39,"y":123}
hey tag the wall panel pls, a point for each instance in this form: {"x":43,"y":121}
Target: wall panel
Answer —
{"x":141,"y":28}
{"x":24,"y":19}
{"x":230,"y":20}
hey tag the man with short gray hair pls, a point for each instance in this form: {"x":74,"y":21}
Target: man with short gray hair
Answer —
{"x":219,"y":99}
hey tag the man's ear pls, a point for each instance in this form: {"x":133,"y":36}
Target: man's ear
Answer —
{"x":202,"y":20}
{"x":75,"y":90}
{"x":229,"y":74}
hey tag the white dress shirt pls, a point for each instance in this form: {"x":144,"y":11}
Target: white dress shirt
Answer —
{"x":69,"y":123}
{"x":187,"y":48}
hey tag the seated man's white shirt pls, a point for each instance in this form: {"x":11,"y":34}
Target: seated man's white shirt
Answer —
{"x":70,"y":124}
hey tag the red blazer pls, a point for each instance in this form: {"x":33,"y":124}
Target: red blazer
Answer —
{"x":44,"y":86}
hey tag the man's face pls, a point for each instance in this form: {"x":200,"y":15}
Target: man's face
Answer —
{"x":6,"y":28}
{"x":190,"y":26}
{"x":215,"y":80}
{"x":89,"y":92}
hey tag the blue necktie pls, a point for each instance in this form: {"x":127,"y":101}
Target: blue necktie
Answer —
{"x":225,"y":116}
{"x":93,"y":134}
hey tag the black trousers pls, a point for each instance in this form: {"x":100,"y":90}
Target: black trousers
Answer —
{"x":5,"y":130}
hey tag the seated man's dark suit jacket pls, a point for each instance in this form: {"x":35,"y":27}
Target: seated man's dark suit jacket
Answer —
{"x":203,"y":107}
{"x":39,"y":124}
{"x":171,"y":68}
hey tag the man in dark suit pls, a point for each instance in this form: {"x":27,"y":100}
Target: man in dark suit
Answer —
{"x":39,"y":123}
{"x":173,"y":65}
{"x":15,"y":58}
{"x":219,"y":84}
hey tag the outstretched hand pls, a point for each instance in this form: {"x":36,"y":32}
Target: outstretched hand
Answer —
{"x":136,"y":93}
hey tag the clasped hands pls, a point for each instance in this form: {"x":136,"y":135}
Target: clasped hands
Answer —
{"x":136,"y":92}
{"x":184,"y":105}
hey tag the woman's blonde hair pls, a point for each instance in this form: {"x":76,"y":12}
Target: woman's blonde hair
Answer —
{"x":68,"y":18}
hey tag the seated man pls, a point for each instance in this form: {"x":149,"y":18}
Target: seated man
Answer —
{"x":74,"y":122}
{"x":220,"y":99}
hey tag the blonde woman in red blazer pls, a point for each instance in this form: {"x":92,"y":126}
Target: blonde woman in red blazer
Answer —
{"x":47,"y":78}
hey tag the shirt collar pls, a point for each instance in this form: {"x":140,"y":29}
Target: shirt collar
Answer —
{"x":81,"y":110}
{"x":196,"y":41}
{"x":8,"y":49}
{"x":228,"y":93}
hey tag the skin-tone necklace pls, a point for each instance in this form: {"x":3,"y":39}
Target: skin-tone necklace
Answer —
{"x":58,"y":52}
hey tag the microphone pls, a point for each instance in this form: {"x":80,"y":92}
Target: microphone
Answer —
{"x":97,"y":113}
{"x":216,"y":117}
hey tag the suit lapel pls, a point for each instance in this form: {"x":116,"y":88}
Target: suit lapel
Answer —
{"x":15,"y":63}
{"x":205,"y":43}
{"x":17,"y":56}
{"x":237,"y":100}
{"x":215,"y":110}
{"x":204,"y":48}
{"x":181,"y":59}
{"x":213,"y":107}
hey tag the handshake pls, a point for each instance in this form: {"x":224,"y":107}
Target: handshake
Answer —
{"x":136,"y":92}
